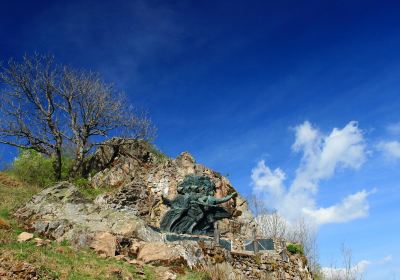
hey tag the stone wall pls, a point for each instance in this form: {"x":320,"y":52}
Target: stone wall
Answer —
{"x":265,"y":265}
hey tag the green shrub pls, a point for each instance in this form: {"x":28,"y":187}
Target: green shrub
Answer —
{"x":295,"y":249}
{"x":35,"y":168}
{"x":81,"y":182}
{"x":91,"y":193}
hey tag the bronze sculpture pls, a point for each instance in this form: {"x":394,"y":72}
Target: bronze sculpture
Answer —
{"x":195,"y":209}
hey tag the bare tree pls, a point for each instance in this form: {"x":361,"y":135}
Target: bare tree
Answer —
{"x":272,"y":225}
{"x":93,"y":109}
{"x":348,"y":270}
{"x":45,"y":105}
{"x":257,"y":205}
{"x":29,"y":117}
{"x":305,"y":233}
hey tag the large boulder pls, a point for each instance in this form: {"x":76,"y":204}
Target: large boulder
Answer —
{"x":174,"y":253}
{"x":160,"y":253}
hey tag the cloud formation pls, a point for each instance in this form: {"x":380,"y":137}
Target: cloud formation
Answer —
{"x":390,"y":149}
{"x":345,"y":273}
{"x":352,"y":207}
{"x":386,"y":259}
{"x":322,"y":155}
{"x":394,"y":128}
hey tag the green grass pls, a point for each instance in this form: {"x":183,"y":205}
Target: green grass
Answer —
{"x":91,"y":193}
{"x":64,"y":262}
{"x":55,"y":260}
{"x":88,"y":191}
{"x":58,"y":260}
{"x":195,"y":275}
{"x":4,"y":213}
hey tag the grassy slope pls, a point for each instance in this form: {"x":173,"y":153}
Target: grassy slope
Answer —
{"x":57,"y":260}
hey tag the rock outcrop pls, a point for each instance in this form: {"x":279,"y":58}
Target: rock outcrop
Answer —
{"x":61,"y":212}
{"x":143,"y":175}
{"x":124,"y":222}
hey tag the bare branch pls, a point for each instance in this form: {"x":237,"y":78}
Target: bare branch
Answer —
{"x":44,"y":105}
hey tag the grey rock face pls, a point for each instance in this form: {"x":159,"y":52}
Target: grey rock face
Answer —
{"x":61,"y":212}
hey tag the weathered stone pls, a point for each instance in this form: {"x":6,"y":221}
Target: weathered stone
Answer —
{"x":160,"y":253}
{"x":53,"y":215}
{"x":135,"y":247}
{"x":40,"y":242}
{"x":164,"y":273}
{"x":24,"y":236}
{"x":136,"y":262}
{"x":104,"y":242}
{"x":119,"y":257}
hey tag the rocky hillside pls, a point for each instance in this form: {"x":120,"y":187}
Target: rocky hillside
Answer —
{"x":123,"y":222}
{"x":143,"y":175}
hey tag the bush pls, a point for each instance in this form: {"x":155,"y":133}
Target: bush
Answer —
{"x":81,"y":183}
{"x":34,"y":168}
{"x":295,"y":249}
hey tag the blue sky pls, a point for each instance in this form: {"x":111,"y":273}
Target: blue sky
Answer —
{"x":234,"y":83}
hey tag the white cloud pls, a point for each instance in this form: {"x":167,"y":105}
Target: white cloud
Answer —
{"x":267,"y":181}
{"x":386,"y":259}
{"x":345,"y":273}
{"x":394,"y":128}
{"x":352,"y":207}
{"x":390,"y":149}
{"x":322,"y":156}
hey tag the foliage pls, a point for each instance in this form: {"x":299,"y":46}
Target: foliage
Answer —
{"x":87,"y":190}
{"x":91,"y":193}
{"x":81,"y":183}
{"x":35,"y":168}
{"x":295,"y":248}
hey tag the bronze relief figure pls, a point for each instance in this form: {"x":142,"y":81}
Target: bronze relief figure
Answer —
{"x":195,"y":209}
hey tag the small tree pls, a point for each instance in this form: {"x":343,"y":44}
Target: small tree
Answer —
{"x":46,"y":106}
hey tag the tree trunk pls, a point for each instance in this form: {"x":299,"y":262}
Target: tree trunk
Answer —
{"x":76,"y":169}
{"x":57,"y":164}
